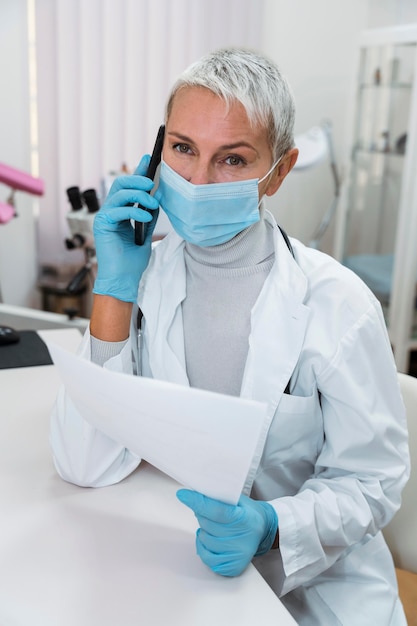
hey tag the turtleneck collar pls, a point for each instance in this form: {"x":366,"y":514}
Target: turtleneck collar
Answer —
{"x":252,"y":246}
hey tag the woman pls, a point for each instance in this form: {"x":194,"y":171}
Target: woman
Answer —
{"x":230,"y":305}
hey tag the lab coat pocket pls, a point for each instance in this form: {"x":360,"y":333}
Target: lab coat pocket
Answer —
{"x":294,"y":440}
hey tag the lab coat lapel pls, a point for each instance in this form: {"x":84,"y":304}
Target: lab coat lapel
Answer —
{"x":278,"y":326}
{"x":162,"y":291}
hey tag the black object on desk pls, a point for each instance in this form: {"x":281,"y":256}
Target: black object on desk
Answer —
{"x":8,"y":335}
{"x":28,"y":351}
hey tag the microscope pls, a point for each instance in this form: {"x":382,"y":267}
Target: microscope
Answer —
{"x":80,"y":220}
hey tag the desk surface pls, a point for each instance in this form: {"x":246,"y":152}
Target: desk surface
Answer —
{"x":95,"y":557}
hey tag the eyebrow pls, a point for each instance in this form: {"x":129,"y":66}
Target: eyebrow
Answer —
{"x":230,"y":146}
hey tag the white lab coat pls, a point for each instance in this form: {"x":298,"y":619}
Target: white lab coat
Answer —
{"x":336,"y":456}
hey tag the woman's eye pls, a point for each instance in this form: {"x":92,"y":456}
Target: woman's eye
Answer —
{"x":183,"y":148}
{"x":234,"y":160}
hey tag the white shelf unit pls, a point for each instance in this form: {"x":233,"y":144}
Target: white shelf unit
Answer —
{"x":376,"y":227}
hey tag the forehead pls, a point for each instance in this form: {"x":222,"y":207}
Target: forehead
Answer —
{"x":199,"y":110}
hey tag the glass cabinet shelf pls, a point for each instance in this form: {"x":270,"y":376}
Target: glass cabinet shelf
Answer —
{"x":385,"y":86}
{"x":369,"y":152}
{"x":376,"y":233}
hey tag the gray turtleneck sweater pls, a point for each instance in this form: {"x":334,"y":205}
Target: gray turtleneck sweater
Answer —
{"x":223,"y":284}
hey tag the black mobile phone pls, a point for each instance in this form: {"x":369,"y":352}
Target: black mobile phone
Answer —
{"x":140,"y":227}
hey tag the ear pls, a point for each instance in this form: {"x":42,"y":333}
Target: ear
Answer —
{"x":281,"y":171}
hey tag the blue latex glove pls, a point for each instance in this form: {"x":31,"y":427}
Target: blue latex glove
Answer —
{"x":230,"y":536}
{"x":121,"y":262}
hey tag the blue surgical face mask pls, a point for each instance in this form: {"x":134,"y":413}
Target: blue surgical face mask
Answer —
{"x":208,"y":215}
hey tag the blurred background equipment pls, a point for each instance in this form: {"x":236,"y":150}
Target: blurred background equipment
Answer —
{"x":17,"y":180}
{"x":64,"y":291}
{"x":80,"y":221}
{"x":316,"y":146}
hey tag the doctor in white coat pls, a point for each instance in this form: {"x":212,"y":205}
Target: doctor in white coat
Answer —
{"x":228,"y":303}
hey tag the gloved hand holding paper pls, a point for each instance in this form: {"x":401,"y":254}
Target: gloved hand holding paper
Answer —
{"x":204,"y":440}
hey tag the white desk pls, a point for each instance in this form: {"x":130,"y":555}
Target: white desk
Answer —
{"x":117,"y":556}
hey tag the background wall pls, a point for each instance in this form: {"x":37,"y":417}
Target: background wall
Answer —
{"x":316,"y":46}
{"x":314,"y":43}
{"x":102,"y":101}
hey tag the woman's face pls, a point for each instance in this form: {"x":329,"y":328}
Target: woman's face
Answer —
{"x":205,"y":142}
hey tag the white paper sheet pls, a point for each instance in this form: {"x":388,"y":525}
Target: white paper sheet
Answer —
{"x":206,"y":441}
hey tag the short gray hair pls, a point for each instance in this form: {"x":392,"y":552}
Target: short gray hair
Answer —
{"x":253,"y":80}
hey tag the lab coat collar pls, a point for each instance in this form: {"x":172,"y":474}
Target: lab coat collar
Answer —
{"x":278,"y":320}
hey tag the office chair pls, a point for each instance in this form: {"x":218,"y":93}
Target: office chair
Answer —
{"x":401,"y":532}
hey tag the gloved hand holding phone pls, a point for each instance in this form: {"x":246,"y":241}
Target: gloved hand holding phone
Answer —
{"x":230,"y":536}
{"x":121,"y":262}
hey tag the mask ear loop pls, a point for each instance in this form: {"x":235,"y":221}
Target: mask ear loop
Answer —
{"x":271,"y":169}
{"x":269,"y":172}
